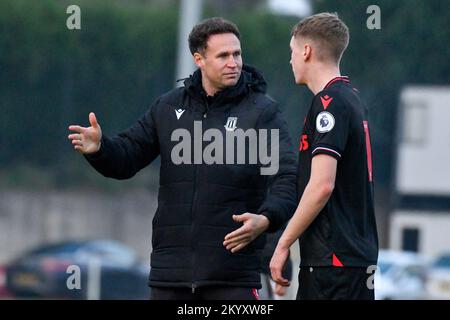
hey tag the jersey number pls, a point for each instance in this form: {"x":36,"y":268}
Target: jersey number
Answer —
{"x":304,"y":145}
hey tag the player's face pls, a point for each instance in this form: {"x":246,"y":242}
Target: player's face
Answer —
{"x":221,"y":63}
{"x":297,"y":60}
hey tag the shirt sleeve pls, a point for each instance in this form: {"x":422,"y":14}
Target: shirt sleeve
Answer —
{"x":330,"y":121}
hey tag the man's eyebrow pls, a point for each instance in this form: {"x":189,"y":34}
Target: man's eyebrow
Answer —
{"x":222,"y":53}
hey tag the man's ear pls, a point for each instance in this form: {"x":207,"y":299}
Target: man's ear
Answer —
{"x":307,"y":50}
{"x":198,"y":59}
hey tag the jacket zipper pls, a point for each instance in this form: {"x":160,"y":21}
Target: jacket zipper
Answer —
{"x":205,"y":100}
{"x":194,"y":204}
{"x":193,"y":208}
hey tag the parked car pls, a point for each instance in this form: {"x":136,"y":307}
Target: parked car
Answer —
{"x":105,"y":269}
{"x":401,"y":276}
{"x":438,"y":285}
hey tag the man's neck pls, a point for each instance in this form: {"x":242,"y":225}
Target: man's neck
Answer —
{"x":210,"y":90}
{"x":322,"y":74}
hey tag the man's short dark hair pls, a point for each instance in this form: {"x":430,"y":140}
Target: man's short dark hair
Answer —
{"x":200,"y":34}
{"x":328,"y":30}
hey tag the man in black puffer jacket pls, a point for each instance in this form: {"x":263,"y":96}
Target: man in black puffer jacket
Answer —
{"x":215,"y":199}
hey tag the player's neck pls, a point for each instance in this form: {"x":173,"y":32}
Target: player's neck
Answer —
{"x":320,"y":76}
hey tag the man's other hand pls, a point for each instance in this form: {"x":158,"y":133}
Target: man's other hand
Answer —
{"x":253,"y":226}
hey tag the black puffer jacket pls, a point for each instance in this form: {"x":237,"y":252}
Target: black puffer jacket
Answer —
{"x":196,"y":201}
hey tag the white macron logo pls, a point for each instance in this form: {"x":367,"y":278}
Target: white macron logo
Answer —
{"x":179,"y":112}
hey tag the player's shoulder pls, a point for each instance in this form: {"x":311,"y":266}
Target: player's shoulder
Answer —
{"x":334,"y":98}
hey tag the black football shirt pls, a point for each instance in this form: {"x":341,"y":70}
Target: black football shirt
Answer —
{"x":344,"y":233}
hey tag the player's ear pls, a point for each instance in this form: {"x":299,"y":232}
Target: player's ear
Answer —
{"x":307,"y":50}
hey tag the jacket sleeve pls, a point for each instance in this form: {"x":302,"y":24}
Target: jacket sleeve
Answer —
{"x":281,"y":195}
{"x":123,"y":155}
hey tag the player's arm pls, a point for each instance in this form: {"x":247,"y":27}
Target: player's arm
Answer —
{"x":314,"y":198}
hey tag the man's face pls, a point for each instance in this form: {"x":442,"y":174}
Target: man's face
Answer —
{"x":221,"y":62}
{"x":297,"y":60}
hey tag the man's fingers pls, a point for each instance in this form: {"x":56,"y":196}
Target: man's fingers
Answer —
{"x":240,"y":217}
{"x":276,"y":274}
{"x":279,"y":290}
{"x":77,"y":143}
{"x":239,"y":246}
{"x":77,"y":129}
{"x":283,"y":282}
{"x":231,"y":244}
{"x":235,"y":239}
{"x":93,"y":120}
{"x":234,"y":244}
{"x":75,"y":136}
{"x":236,"y":233}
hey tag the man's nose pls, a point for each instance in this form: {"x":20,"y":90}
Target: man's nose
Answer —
{"x":231,"y":63}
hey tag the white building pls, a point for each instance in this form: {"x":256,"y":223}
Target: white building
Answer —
{"x":421,"y":218}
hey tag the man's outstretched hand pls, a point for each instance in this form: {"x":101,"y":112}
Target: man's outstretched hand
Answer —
{"x":86,"y":140}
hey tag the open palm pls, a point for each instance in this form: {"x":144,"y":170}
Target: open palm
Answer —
{"x":86,"y":140}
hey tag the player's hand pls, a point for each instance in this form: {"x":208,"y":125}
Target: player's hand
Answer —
{"x":280,"y":290}
{"x":253,"y":226}
{"x":86,"y":140}
{"x":277,"y":263}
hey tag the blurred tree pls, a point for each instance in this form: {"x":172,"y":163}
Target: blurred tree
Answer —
{"x":124,"y":57}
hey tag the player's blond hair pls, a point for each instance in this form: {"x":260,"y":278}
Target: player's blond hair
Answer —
{"x":328,"y":31}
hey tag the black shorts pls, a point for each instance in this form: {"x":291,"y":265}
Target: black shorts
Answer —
{"x":333,"y":283}
{"x":204,"y":293}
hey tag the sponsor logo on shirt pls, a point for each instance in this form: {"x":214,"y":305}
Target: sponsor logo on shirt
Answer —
{"x":326,"y":100}
{"x":179,"y":112}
